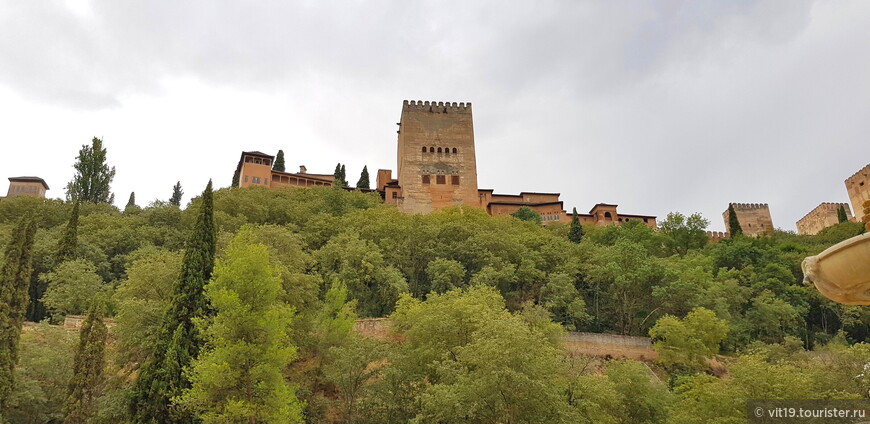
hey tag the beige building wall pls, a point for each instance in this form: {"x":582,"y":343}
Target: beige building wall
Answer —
{"x":27,"y":186}
{"x":821,"y":217}
{"x":436,"y":160}
{"x":754,"y":218}
{"x":858,"y":187}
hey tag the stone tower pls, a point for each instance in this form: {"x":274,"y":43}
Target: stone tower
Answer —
{"x":858,"y":187}
{"x":754,"y":218}
{"x":436,"y":160}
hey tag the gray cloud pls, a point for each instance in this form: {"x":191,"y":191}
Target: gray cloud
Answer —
{"x":656,"y":106}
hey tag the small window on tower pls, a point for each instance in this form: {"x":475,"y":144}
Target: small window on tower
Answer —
{"x":431,"y":150}
{"x":425,"y":179}
{"x":266,"y":181}
{"x":439,"y":150}
{"x":256,"y":180}
{"x":424,"y":149}
{"x":454,"y":179}
{"x":246,"y":178}
{"x":441,"y":179}
{"x":395,"y":194}
{"x":454,"y":150}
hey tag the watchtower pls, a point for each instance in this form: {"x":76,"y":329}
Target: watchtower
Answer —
{"x":27,"y":186}
{"x":858,"y":187}
{"x":436,"y":160}
{"x":754,"y":218}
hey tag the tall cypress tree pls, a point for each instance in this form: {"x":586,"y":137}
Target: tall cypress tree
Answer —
{"x":68,"y":243}
{"x":179,"y":342}
{"x":337,"y":175}
{"x":14,"y":284}
{"x":733,"y":222}
{"x":363,"y":178}
{"x":88,"y":365}
{"x":175,"y":200}
{"x":343,"y":176}
{"x":575,"y":234}
{"x":235,"y":182}
{"x":841,"y":214}
{"x":93,"y":176}
{"x":132,"y":200}
{"x":279,"y":162}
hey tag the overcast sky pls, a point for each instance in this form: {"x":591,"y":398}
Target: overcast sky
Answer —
{"x":656,"y":106}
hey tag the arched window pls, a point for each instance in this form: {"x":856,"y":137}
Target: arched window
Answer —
{"x":439,"y":150}
{"x":608,"y":216}
{"x":431,"y":150}
{"x":424,"y":149}
{"x":454,"y":150}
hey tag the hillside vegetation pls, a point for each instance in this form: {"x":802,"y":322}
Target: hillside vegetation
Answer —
{"x":479,"y":303}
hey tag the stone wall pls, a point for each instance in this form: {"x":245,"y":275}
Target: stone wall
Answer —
{"x":821,"y":217}
{"x":714,"y":236}
{"x":754,"y":218}
{"x":437,"y":166}
{"x":592,"y":344}
{"x":858,"y":187}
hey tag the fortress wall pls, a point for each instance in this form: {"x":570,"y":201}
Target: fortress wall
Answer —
{"x":821,"y":217}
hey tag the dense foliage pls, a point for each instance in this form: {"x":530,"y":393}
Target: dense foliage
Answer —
{"x":93,"y":178}
{"x":479,"y":306}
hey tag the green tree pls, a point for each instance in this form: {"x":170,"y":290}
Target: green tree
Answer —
{"x":733,"y":223}
{"x":841,"y":214}
{"x":683,"y":233}
{"x":87,"y":379}
{"x":485,"y":364}
{"x":72,"y":287}
{"x":350,"y":369}
{"x":179,"y":342}
{"x":43,"y":373}
{"x":131,"y":202}
{"x":339,"y":176}
{"x":68,"y":243}
{"x":445,"y":275}
{"x":642,"y":398}
{"x":14,"y":284}
{"x":363,"y":178}
{"x":175,"y":200}
{"x":235,"y":181}
{"x":142,"y":300}
{"x":525,"y":213}
{"x":575,"y":234}
{"x":343,"y":175}
{"x":687,"y":342}
{"x":93,"y":178}
{"x":361,"y":266}
{"x":239,"y":377}
{"x":279,"y":162}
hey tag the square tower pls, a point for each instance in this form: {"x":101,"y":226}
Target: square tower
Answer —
{"x":858,"y":187}
{"x":27,"y":186}
{"x":436,"y":160}
{"x":754,"y":218}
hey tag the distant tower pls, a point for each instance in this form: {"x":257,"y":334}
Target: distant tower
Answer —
{"x":858,"y":187}
{"x":27,"y":186}
{"x":436,"y":160}
{"x":754,"y":218}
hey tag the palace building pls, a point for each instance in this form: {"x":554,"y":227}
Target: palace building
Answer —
{"x":436,"y":168}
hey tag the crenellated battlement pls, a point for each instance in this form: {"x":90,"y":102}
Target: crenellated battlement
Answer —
{"x":745,"y":206}
{"x":436,"y":107}
{"x":717,"y":235}
{"x":864,"y":170}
